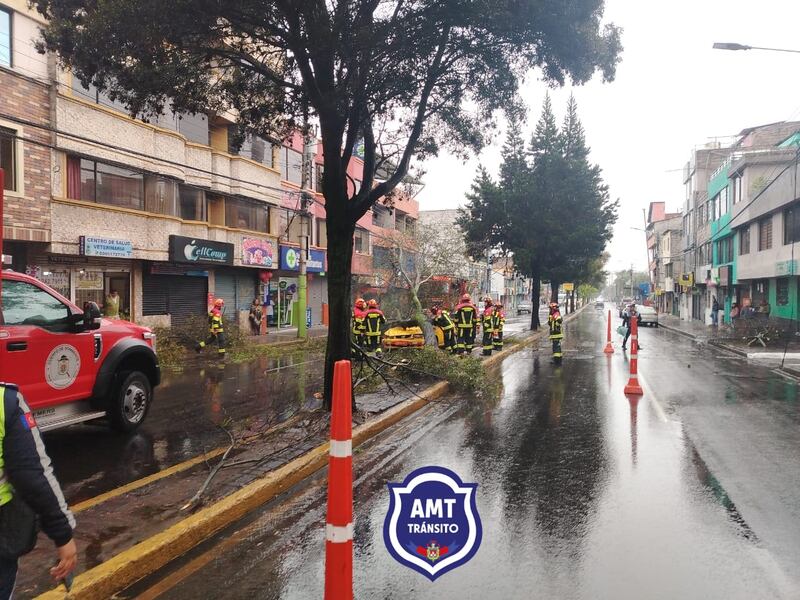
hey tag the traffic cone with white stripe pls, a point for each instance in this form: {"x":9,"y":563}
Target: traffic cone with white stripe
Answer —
{"x":633,"y":386}
{"x":339,"y":526}
{"x":609,"y":349}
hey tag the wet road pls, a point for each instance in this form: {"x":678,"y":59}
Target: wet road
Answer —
{"x":689,"y":492}
{"x":184,"y":422}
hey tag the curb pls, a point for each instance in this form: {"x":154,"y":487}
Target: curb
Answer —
{"x":679,"y":331}
{"x":146,"y":557}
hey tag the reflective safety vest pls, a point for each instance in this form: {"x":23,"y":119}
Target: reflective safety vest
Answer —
{"x":444,"y":321}
{"x":555,"y":322}
{"x":357,"y":318}
{"x":215,"y":322}
{"x":465,"y":316}
{"x":373,"y":320}
{"x":499,"y":320}
{"x":487,"y":321}
{"x":6,"y":491}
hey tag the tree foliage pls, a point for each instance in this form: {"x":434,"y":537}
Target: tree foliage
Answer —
{"x":550,"y":207}
{"x":401,"y":77}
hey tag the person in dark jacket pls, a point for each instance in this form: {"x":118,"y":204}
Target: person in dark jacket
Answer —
{"x":373,"y":320}
{"x":25,"y":471}
{"x":487,"y":323}
{"x":555,"y":325}
{"x":466,"y":320}
{"x":628,"y":315}
{"x":441,"y":318}
{"x":499,"y":323}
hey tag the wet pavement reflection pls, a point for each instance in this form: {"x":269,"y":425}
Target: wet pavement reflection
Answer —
{"x":583,"y":492}
{"x":185,"y":421}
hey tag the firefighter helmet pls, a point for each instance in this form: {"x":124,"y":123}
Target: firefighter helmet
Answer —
{"x":466,"y":298}
{"x":487,"y":301}
{"x":219,"y":302}
{"x":360,"y":303}
{"x":554,"y":306}
{"x":373,"y":303}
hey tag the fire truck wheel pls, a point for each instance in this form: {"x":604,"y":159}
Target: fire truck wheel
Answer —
{"x":130,"y":401}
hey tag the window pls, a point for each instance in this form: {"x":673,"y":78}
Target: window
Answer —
{"x":668,"y":270}
{"x":5,"y":37}
{"x":791,"y":224}
{"x":765,"y":233}
{"x":381,"y":217}
{"x":106,"y":184}
{"x":291,"y":166}
{"x":247,"y":214}
{"x":161,"y":195}
{"x":361,"y":241}
{"x":257,"y":149}
{"x":320,"y":173}
{"x":26,"y":304}
{"x":725,"y":251}
{"x":782,"y":291}
{"x":744,"y":240}
{"x":8,"y":155}
{"x":737,"y":188}
{"x":192,"y":203}
{"x":321,"y":233}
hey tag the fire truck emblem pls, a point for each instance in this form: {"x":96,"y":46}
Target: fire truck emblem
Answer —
{"x":62,"y":366}
{"x":432,"y":525}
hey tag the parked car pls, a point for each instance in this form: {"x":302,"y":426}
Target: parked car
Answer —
{"x":599,"y":304}
{"x":625,"y":302}
{"x":525,"y":306}
{"x":648,"y":316}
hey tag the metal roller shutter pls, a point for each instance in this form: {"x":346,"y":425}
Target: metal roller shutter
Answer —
{"x":225,"y":288}
{"x":155,"y":295}
{"x":176,"y":295}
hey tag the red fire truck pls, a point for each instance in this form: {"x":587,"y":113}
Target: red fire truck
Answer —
{"x":71,"y":364}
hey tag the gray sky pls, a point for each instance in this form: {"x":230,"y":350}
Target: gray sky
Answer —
{"x":672,"y":93}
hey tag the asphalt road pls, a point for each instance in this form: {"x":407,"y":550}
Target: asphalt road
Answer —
{"x":688,"y":492}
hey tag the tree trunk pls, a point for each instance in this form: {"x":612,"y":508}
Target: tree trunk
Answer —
{"x":419,"y":315}
{"x":340,"y":258}
{"x":572,"y":301}
{"x":554,"y":285}
{"x":536,"y":293}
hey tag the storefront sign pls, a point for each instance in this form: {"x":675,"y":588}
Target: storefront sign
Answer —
{"x":290,"y":260}
{"x":568,"y":287}
{"x":258,"y":252}
{"x":89,"y":280}
{"x":58,"y":280}
{"x":197,"y":251}
{"x":786,"y":267}
{"x":106,"y":247}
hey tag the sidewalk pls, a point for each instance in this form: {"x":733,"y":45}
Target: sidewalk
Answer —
{"x":724,"y":337}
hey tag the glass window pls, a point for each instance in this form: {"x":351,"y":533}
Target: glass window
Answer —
{"x":322,"y":233}
{"x":246,"y":214}
{"x":160,"y":195}
{"x":361,"y":241}
{"x":737,"y":189}
{"x":119,"y":186}
{"x":8,"y":155}
{"x":26,"y":304}
{"x":765,"y":233}
{"x":292,"y":166}
{"x":744,"y":240}
{"x":791,"y":224}
{"x":5,"y":37}
{"x":782,"y":291}
{"x":193,"y":127}
{"x":283,"y":224}
{"x":192,"y":203}
{"x":320,"y":174}
{"x":257,"y":149}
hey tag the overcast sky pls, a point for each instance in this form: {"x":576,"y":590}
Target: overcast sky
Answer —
{"x":672,"y":93}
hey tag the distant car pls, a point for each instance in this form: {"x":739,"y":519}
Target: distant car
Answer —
{"x":648,"y":316}
{"x":599,"y":304}
{"x":525,"y":306}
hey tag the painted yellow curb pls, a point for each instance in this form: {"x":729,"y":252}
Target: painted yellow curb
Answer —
{"x":146,"y":557}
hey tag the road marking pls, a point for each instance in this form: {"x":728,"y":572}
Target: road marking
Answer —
{"x":656,"y":404}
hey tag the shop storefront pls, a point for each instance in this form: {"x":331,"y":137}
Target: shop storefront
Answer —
{"x":239,"y":286}
{"x":101,"y":274}
{"x":283,"y":288}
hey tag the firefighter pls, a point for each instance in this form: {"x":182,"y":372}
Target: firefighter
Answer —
{"x":487,"y":323}
{"x":373,"y":319}
{"x":445,"y":322}
{"x":467,"y":323}
{"x":499,"y":322}
{"x":358,"y":324}
{"x":556,"y":324}
{"x":216,"y":330}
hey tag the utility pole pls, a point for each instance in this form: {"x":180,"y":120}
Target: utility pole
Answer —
{"x":305,"y":201}
{"x":488,"y":272}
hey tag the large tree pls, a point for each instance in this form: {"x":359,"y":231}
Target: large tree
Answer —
{"x":550,"y":209}
{"x":400,"y":76}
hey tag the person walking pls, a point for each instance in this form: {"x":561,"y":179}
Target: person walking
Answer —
{"x":357,"y":323}
{"x":734,"y":314}
{"x":628,"y":315}
{"x":498,"y":324}
{"x":556,"y":325}
{"x":256,"y":316}
{"x":714,"y":311}
{"x":28,"y":488}
{"x":487,"y":324}
{"x":216,"y":329}
{"x":111,"y":305}
{"x":441,"y":318}
{"x":373,"y":320}
{"x":467,"y":323}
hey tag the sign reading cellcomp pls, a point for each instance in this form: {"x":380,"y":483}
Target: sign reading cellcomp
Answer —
{"x":197,"y":251}
{"x":433,"y":524}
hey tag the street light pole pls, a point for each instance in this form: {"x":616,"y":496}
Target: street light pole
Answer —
{"x":735,"y":46}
